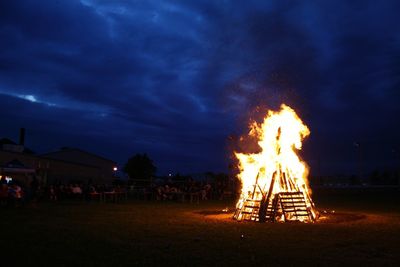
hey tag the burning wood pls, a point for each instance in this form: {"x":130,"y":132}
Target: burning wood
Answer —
{"x":274,"y":181}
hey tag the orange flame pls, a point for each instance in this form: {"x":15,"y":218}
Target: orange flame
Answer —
{"x":276,"y":169}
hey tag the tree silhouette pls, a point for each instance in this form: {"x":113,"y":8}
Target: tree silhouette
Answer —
{"x":140,"y":167}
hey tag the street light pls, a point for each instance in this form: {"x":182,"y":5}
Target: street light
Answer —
{"x":115,"y":169}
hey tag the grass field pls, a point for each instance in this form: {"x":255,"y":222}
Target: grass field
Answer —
{"x":175,"y":234}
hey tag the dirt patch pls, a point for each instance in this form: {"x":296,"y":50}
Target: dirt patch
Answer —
{"x":325,"y":216}
{"x":214,"y":212}
{"x":224,"y":214}
{"x":340,"y":217}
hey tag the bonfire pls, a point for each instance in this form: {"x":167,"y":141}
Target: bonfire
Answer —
{"x":274,"y":180}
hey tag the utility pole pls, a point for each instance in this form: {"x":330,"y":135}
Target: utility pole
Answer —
{"x":360,"y":167}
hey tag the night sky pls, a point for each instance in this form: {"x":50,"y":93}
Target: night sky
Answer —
{"x":180,"y":79}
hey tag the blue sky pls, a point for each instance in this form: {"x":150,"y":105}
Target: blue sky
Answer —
{"x":175,"y":79}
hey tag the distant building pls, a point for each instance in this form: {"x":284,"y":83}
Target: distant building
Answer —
{"x":16,"y":161}
{"x":63,"y":166}
{"x":76,"y":164}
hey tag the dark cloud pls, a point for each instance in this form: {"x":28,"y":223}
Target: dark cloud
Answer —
{"x":175,"y":78}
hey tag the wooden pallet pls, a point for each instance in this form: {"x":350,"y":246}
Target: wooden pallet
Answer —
{"x":293,"y":206}
{"x":250,"y":211}
{"x":265,"y":206}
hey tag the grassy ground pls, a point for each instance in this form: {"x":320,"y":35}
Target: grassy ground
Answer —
{"x":156,"y":233}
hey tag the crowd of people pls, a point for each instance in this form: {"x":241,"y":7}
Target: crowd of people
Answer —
{"x":15,"y":194}
{"x":57,"y":192}
{"x":173,"y":190}
{"x":11,"y":194}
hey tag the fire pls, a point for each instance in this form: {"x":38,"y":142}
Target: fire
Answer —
{"x":274,"y":181}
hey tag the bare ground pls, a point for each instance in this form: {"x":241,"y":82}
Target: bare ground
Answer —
{"x":167,"y":233}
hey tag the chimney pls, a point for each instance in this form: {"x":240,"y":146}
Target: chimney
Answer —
{"x":22,"y":136}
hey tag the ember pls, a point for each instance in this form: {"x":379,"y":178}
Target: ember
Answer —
{"x":274,"y":181}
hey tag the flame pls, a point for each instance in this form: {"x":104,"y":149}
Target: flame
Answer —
{"x":277,"y":168}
